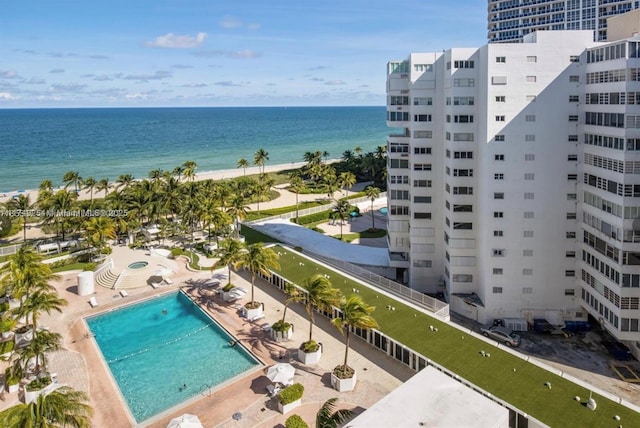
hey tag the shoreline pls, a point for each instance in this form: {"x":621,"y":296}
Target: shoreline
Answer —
{"x":221,"y":174}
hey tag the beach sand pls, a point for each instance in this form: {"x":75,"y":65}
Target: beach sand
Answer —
{"x":207,"y":175}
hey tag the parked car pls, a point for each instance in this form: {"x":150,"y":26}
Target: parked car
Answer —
{"x":501,"y":334}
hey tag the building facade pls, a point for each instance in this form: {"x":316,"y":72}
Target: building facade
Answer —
{"x":511,"y":178}
{"x":510,"y":20}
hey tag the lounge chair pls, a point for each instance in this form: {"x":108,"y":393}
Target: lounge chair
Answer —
{"x":124,"y":293}
{"x":257,"y":317}
{"x":168,"y":281}
{"x":93,"y":302}
{"x":273,"y":390}
{"x":156,"y":284}
{"x":266,"y":327}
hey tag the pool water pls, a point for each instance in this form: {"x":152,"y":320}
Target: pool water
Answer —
{"x":138,"y":265}
{"x":383,"y":210}
{"x":164,"y":351}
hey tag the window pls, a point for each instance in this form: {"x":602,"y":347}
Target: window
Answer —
{"x":463,"y":118}
{"x":572,"y":196}
{"x":462,"y":226}
{"x":497,"y":290}
{"x":397,"y":116}
{"x":463,"y":101}
{"x":570,"y":254}
{"x":569,"y":292}
{"x":422,"y":263}
{"x":570,"y":273}
{"x":422,"y":199}
{"x":462,"y":172}
{"x":498,"y":195}
{"x":399,"y":210}
{"x":398,"y":100}
{"x":528,"y":214}
{"x":573,"y":118}
{"x":529,"y":138}
{"x":498,"y":214}
{"x":500,"y":118}
{"x":463,"y":190}
{"x":572,"y":138}
{"x":498,"y":271}
{"x":574,"y":98}
{"x":527,"y":253}
{"x":463,"y":155}
{"x":501,"y":98}
{"x":398,"y":163}
{"x":572,"y":177}
{"x":529,"y":157}
{"x":530,"y":118}
{"x":571,"y":216}
{"x":498,"y":176}
{"x":423,"y":67}
{"x":422,"y":118}
{"x":422,"y":150}
{"x":574,"y":58}
{"x":463,"y":64}
{"x":499,"y":157}
{"x":532,"y":59}
{"x":463,"y":136}
{"x":421,"y":183}
{"x":499,"y":138}
{"x":528,"y":195}
{"x":462,"y":208}
{"x":422,"y":134}
{"x":571,"y":235}
{"x":461,"y":278}
{"x":527,"y":272}
{"x":527,"y":290}
{"x":498,"y":233}
{"x":419,"y":216}
{"x":531,"y":79}
{"x":572,"y":158}
{"x":529,"y":176}
{"x":501,"y":59}
{"x":463,"y":83}
{"x":422,"y":101}
{"x":527,"y":234}
{"x":498,"y":252}
{"x":574,"y":79}
{"x":422,"y":167}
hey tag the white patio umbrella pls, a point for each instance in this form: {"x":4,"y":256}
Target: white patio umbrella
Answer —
{"x":281,"y":372}
{"x":185,"y":421}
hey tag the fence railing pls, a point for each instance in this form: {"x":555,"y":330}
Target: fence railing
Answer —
{"x":9,"y":249}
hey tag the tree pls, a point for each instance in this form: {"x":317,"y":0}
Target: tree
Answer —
{"x":103,"y":185}
{"x":296,"y":185}
{"x":98,"y":230}
{"x":320,"y":294}
{"x":329,"y":417}
{"x":35,"y":303}
{"x":72,"y":177}
{"x":24,"y":273}
{"x":260,"y":158}
{"x":346,"y":180}
{"x":257,"y":259}
{"x":61,"y":202}
{"x":355,"y":314}
{"x":229,"y":253}
{"x":124,"y":181}
{"x":62,"y":407}
{"x":90,"y":184}
{"x":22,"y":205}
{"x":244,"y":164}
{"x":238,"y":210}
{"x":341,"y":211}
{"x":189,"y":170}
{"x":372,"y":193}
{"x":36,"y":350}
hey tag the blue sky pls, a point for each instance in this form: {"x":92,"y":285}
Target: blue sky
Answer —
{"x":98,"y":53}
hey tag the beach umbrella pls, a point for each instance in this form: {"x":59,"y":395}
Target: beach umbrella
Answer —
{"x":185,"y":421}
{"x":281,"y":373}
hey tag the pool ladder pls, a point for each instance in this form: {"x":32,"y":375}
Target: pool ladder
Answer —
{"x":205,"y":390}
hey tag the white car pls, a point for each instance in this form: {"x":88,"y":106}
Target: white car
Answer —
{"x":502,"y":335}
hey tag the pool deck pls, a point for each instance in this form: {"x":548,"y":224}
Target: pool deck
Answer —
{"x":80,"y":364}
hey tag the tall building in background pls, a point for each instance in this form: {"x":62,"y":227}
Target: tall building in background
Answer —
{"x":514,"y":182}
{"x":510,"y":20}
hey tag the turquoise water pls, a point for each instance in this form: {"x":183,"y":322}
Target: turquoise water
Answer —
{"x":156,"y":347}
{"x":40,"y":144}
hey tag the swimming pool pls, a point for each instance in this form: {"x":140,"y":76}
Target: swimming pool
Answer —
{"x":164,"y":351}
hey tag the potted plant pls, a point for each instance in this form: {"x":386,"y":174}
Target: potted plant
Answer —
{"x":257,"y":260}
{"x":319,"y":294}
{"x":23,"y":335}
{"x":281,"y":331}
{"x":7,"y":324}
{"x":12,"y":378}
{"x":290,"y":397}
{"x":34,"y":388}
{"x":295,"y":421}
{"x":6,"y":348}
{"x":226,"y":292}
{"x":355,"y":314}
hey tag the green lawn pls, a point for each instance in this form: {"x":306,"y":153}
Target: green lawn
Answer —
{"x":348,"y":237}
{"x":251,"y":236}
{"x":505,"y":376}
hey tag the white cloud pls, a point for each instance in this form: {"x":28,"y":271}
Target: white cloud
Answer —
{"x":171,"y":40}
{"x":335,"y":82}
{"x":229,"y":21}
{"x":181,"y":66}
{"x":67,"y":88}
{"x":194,"y":85}
{"x":7,"y":96}
{"x":253,"y":26}
{"x":8,"y":74}
{"x":227,"y":83}
{"x":34,"y":81}
{"x":158,"y":75}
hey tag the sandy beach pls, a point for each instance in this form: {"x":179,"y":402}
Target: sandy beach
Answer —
{"x":207,"y":175}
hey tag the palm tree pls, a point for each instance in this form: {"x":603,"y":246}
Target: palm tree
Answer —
{"x":189,"y":170}
{"x":372,"y":193}
{"x":346,"y":180}
{"x":320,"y":294}
{"x":103,"y":185}
{"x":37,"y":302}
{"x":24,"y":273}
{"x":229,"y":253}
{"x":296,"y":185}
{"x":260,"y":158}
{"x":238,"y":210}
{"x":36,"y":350}
{"x":355,"y":314}
{"x":72,"y":177}
{"x":98,"y":230}
{"x":329,"y":417}
{"x":90,"y":184}
{"x":62,"y":407}
{"x":244,"y":164}
{"x":341,"y":211}
{"x":257,"y":259}
{"x":21,"y":204}
{"x":124,"y":181}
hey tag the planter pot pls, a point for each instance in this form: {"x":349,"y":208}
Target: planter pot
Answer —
{"x":285,"y":408}
{"x":227,"y":296}
{"x":31,"y":396}
{"x":252,"y":313}
{"x":281,"y":336}
{"x":12,"y":388}
{"x":343,"y":385}
{"x":309,"y":357}
{"x":7,"y":334}
{"x":23,"y":338}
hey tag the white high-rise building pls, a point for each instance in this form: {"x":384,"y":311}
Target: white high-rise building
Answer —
{"x":510,"y":20}
{"x":514,"y":182}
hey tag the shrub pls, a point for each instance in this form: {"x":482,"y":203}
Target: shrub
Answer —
{"x":38,"y":383}
{"x":343,"y":372}
{"x":228,"y":287}
{"x":6,"y":347}
{"x":291,"y":393}
{"x":313,"y":218}
{"x":12,"y":379}
{"x":281,"y":326}
{"x":298,"y":249}
{"x":310,"y":346}
{"x":175,"y":253}
{"x":295,"y":421}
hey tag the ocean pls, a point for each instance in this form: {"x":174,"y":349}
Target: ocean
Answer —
{"x":38,"y":144}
